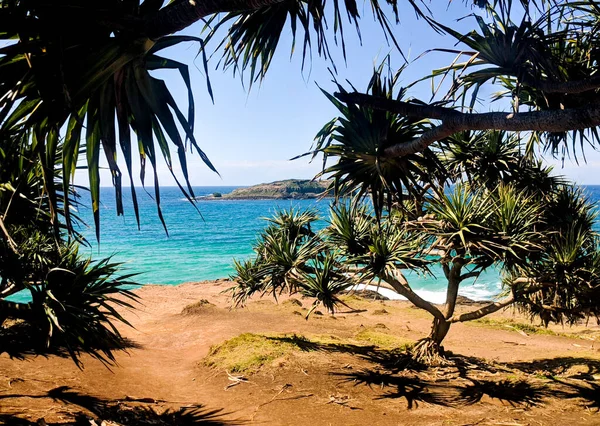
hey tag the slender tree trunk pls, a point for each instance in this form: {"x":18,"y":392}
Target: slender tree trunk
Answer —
{"x":453,"y":284}
{"x":439,"y":330}
{"x":430,"y":350}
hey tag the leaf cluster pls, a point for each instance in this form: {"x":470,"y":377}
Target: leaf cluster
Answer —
{"x":73,"y":71}
{"x":357,"y":140}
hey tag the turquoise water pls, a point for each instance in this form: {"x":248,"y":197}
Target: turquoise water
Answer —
{"x":202,"y":246}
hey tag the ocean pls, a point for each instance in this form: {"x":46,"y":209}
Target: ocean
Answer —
{"x":202,"y":245}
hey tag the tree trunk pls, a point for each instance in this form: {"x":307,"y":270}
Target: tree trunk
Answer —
{"x":179,"y":15}
{"x":453,"y":121}
{"x":430,"y":350}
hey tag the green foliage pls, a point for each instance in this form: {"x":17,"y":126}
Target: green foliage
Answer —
{"x":77,"y":305}
{"x":325,"y":283}
{"x":391,"y":248}
{"x":357,"y":139}
{"x":350,"y":228}
{"x":283,"y":253}
{"x":558,"y":46}
{"x":91,"y":68}
{"x":252,"y":36}
{"x":74,"y":300}
{"x":493,"y":157}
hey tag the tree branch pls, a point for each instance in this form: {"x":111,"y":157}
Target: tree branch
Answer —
{"x":181,"y":14}
{"x":470,"y":275}
{"x":421,"y":143}
{"x":413,"y":297}
{"x":454,"y":121}
{"x":486,"y":310}
{"x":9,"y":288}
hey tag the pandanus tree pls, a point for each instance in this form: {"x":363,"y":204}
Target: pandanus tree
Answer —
{"x":483,"y":204}
{"x":550,"y":270}
{"x":71,"y":299}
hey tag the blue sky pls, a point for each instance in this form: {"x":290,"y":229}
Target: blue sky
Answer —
{"x":250,"y":136}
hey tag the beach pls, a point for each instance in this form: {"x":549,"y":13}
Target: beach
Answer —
{"x":340,"y":372}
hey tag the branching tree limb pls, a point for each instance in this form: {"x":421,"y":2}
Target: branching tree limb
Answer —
{"x":454,"y":121}
{"x":486,"y":310}
{"x":414,"y":298}
{"x":496,"y":306}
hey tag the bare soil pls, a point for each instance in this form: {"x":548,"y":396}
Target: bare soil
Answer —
{"x":497,"y":373}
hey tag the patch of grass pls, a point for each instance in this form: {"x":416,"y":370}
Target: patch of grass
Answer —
{"x":197,"y":307}
{"x":382,"y":340}
{"x":248,"y":352}
{"x":505,"y":324}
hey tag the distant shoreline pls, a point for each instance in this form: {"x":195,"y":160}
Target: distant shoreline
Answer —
{"x":257,"y":198}
{"x":291,"y":189}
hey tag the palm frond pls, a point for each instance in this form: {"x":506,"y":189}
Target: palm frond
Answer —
{"x":85,"y":73}
{"x":356,"y":141}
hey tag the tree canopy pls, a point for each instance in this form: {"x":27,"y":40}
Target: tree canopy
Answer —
{"x":67,"y":72}
{"x":539,"y":236}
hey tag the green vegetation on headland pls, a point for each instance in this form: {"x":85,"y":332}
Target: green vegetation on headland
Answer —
{"x":294,"y":189}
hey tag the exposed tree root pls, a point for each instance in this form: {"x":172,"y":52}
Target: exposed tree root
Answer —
{"x":429,"y":352}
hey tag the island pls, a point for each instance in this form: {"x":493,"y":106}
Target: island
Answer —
{"x":292,"y":189}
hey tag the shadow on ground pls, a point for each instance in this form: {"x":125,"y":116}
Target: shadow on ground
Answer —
{"x":21,"y":341}
{"x":469,"y":380}
{"x":129,"y":412}
{"x":394,"y":360}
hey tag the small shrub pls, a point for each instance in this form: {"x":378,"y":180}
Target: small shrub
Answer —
{"x":197,"y":307}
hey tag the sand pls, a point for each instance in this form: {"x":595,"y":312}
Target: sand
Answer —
{"x":499,"y":375}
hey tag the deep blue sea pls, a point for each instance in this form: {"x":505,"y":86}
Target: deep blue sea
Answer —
{"x":202,"y":246}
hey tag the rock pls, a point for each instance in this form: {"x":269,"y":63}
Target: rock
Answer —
{"x":462,"y":300}
{"x":368,"y":294}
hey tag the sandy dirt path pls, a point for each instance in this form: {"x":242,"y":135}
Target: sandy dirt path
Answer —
{"x":506,"y":377}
